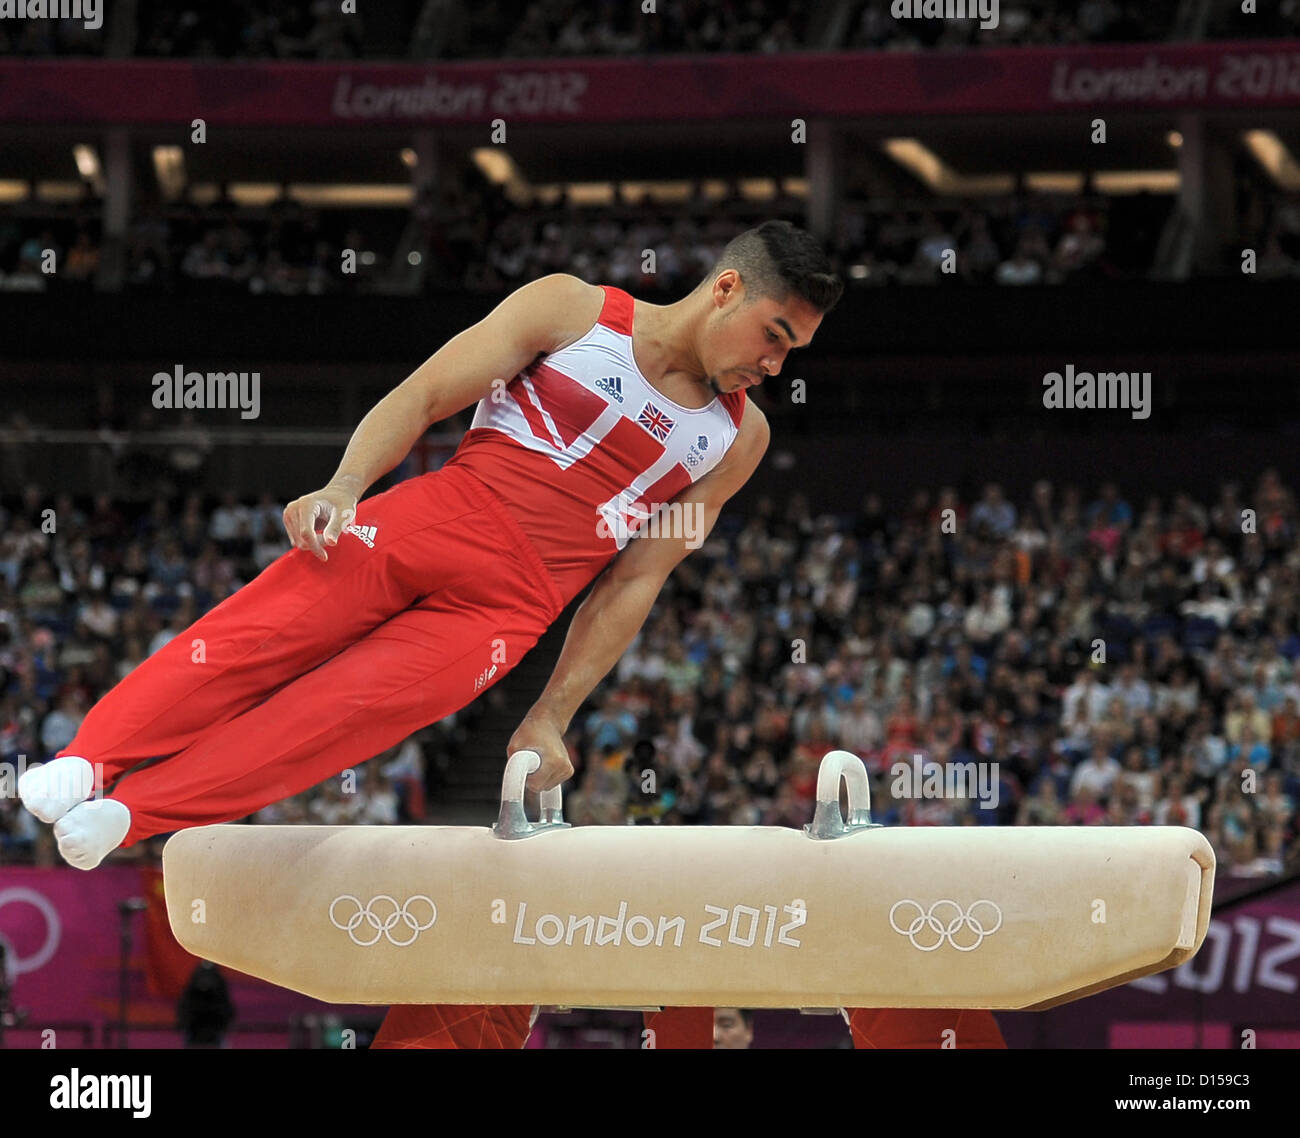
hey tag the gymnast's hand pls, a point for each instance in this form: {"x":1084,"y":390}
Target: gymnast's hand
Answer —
{"x":543,"y":735}
{"x":335,"y":505}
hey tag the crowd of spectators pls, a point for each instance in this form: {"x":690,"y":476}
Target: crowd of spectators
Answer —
{"x":1011,"y":241}
{"x":37,"y":250}
{"x":1019,"y":23}
{"x":1120,"y":664}
{"x":494,"y":29}
{"x":609,"y":244}
{"x":539,"y":28}
{"x":43,"y":37}
{"x":1114,"y":663}
{"x":283,"y":249}
{"x":473,"y":237}
{"x":470,"y":235}
{"x":250,"y":29}
{"x":1264,"y":21}
{"x":1015,"y":240}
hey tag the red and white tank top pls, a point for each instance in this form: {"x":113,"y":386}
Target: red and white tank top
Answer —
{"x":582,"y":450}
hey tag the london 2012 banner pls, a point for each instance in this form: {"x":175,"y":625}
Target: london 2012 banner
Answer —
{"x":1241,"y":990}
{"x":658,"y":88}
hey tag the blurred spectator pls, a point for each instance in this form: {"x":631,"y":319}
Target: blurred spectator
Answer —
{"x":204,"y":1011}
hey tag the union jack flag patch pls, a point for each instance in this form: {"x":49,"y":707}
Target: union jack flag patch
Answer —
{"x":655,"y":421}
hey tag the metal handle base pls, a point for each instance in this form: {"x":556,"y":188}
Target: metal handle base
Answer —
{"x":513,"y":822}
{"x":828,"y":823}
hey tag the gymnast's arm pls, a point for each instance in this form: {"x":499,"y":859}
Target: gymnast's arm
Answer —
{"x":537,"y":319}
{"x":609,"y":619}
{"x":534,"y":320}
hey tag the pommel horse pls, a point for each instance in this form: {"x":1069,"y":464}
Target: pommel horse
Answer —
{"x":845,"y":914}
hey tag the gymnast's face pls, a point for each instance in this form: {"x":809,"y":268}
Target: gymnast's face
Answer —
{"x":730,"y":1031}
{"x":748,"y":338}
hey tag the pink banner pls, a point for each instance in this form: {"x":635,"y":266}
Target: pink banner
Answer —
{"x":1242,"y":988}
{"x":62,"y":932}
{"x":1246,"y":977}
{"x":797,"y":85}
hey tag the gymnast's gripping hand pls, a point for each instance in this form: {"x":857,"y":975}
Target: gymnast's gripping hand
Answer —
{"x":543,"y":735}
{"x":334,"y":505}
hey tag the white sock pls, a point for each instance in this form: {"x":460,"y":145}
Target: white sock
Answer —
{"x":50,"y":790}
{"x":90,"y":832}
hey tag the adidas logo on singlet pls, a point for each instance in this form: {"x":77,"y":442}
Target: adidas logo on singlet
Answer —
{"x":365,"y":533}
{"x":612,"y":386}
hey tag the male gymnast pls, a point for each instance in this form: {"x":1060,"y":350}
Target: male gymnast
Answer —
{"x":593,"y":411}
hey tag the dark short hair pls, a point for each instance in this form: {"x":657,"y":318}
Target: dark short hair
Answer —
{"x":775,"y":259}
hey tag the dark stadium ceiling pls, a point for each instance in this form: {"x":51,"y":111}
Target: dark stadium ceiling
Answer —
{"x":281,"y":156}
{"x":656,"y":151}
{"x":41,"y":153}
{"x":985,"y":146}
{"x":546,"y":154}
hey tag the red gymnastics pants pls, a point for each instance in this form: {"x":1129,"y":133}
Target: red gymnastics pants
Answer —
{"x":313,"y":667}
{"x":478,"y":1026}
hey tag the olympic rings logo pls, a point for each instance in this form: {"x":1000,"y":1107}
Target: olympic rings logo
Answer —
{"x":383,"y":922}
{"x":940,"y":924}
{"x":53,"y":930}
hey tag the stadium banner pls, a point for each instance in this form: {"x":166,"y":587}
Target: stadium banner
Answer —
{"x":62,"y":932}
{"x":1242,"y":989}
{"x":1078,"y":79}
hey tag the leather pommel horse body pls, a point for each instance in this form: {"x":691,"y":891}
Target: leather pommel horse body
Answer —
{"x":844,"y":914}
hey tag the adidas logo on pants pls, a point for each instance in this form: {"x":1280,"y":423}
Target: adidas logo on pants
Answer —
{"x":365,"y":533}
